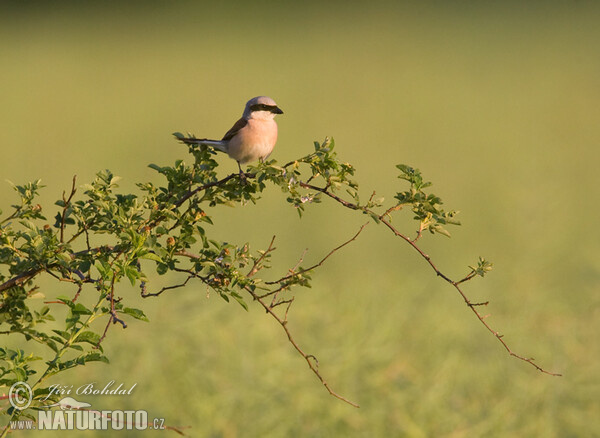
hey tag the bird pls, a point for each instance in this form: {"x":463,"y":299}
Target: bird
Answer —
{"x":252,"y":137}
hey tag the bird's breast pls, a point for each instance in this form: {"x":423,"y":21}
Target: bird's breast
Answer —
{"x":254,"y":141}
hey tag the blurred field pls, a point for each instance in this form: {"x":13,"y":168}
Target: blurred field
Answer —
{"x":497,"y":105}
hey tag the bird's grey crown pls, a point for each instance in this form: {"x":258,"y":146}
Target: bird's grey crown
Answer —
{"x":261,"y":103}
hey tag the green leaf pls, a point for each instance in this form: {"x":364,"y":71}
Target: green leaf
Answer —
{"x":102,"y":267}
{"x":375,"y":217}
{"x":132,"y":274}
{"x":240,"y":300}
{"x":155,"y":167}
{"x":162,"y":268}
{"x":89,"y":337}
{"x":65,"y":335}
{"x":20,"y":374}
{"x":136,"y":313}
{"x":96,"y":357}
{"x":72,"y":319}
{"x":151,"y":256}
{"x":80,"y":308}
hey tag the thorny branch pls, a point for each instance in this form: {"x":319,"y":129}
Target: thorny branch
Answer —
{"x":312,"y":364}
{"x":455,"y":284}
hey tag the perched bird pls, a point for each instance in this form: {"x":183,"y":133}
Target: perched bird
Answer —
{"x":252,"y":137}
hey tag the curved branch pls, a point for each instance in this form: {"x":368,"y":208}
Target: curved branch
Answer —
{"x":455,"y":284}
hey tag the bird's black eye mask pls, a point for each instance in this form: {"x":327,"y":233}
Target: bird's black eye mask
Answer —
{"x":262,"y":107}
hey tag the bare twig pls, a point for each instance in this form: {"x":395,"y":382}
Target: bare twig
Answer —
{"x":257,"y":263}
{"x":80,"y":287}
{"x":300,"y":260}
{"x":311,"y":360}
{"x":313,"y":366}
{"x":455,"y":284}
{"x":467,"y":278}
{"x":320,"y":262}
{"x":146,"y":294}
{"x":391,"y":209}
{"x":113,"y":313}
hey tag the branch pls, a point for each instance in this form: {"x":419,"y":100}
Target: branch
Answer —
{"x":316,"y":265}
{"x":313,"y":366}
{"x":257,"y":263}
{"x":314,"y":363}
{"x":66,"y":203}
{"x":146,"y":294}
{"x":455,"y":284}
{"x":191,"y":193}
{"x":113,"y":313}
{"x":28,"y":275}
{"x":20,"y":279}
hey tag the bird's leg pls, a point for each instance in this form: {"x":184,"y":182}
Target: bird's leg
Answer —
{"x":242,"y":174}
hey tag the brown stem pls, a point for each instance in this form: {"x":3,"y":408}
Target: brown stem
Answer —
{"x":313,"y":366}
{"x":455,"y":284}
{"x":316,"y":265}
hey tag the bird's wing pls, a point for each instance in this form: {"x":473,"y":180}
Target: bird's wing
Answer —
{"x":235,"y":129}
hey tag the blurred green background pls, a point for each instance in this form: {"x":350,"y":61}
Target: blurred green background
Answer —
{"x":497,"y":104}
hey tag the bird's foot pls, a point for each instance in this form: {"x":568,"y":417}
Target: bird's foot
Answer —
{"x":243,"y":177}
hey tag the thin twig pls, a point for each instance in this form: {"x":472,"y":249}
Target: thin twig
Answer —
{"x":314,"y":367}
{"x":66,"y":203}
{"x":467,"y":278}
{"x":257,"y":263}
{"x":391,"y":209}
{"x":455,"y":284}
{"x":146,"y":294}
{"x":113,"y":313}
{"x":316,"y":265}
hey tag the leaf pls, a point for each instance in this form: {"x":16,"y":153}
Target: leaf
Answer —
{"x":404,"y":168}
{"x":155,"y":167}
{"x":132,"y":274}
{"x":162,"y":268}
{"x":72,"y":319}
{"x":240,"y":300}
{"x":442,"y":231}
{"x":89,"y":337}
{"x":20,"y":374}
{"x":63,"y":334}
{"x":136,"y":313}
{"x":84,"y":265}
{"x":80,"y":308}
{"x":151,"y":256}
{"x":50,"y":343}
{"x":96,"y":357}
{"x":375,"y":217}
{"x":102,"y":267}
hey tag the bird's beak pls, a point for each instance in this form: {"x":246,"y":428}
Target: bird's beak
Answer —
{"x":277,"y":110}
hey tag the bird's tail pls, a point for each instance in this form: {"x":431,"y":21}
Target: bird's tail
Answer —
{"x":219,"y":145}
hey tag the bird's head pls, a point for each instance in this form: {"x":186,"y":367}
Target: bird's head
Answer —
{"x":261,"y":107}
